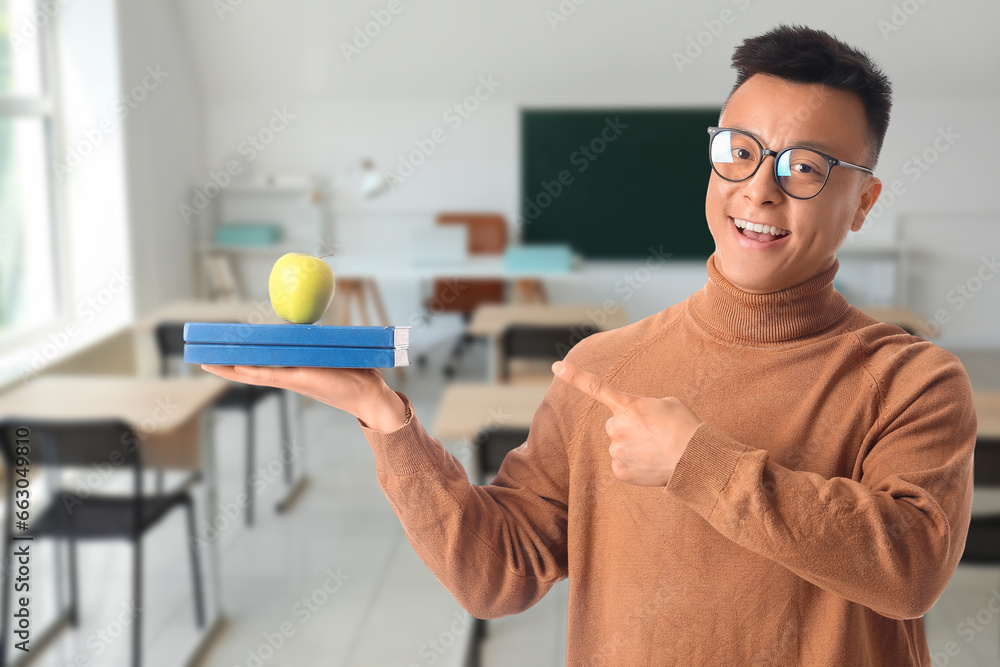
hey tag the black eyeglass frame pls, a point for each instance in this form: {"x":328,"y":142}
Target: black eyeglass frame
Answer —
{"x":764,"y":152}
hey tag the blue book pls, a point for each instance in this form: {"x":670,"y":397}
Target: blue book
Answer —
{"x":296,"y":334}
{"x":295,"y":355}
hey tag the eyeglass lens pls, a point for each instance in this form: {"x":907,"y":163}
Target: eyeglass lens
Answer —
{"x":801,"y":172}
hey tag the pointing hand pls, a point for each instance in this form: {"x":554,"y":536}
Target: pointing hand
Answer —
{"x":648,"y":435}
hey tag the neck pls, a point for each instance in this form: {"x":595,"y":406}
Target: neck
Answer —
{"x":797,"y":312}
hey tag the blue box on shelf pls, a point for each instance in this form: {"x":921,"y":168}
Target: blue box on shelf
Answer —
{"x":538,"y":258}
{"x":247,"y":234}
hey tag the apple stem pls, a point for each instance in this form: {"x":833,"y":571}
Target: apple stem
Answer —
{"x":330,"y":255}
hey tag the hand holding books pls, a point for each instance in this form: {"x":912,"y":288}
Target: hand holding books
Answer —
{"x":360,"y":391}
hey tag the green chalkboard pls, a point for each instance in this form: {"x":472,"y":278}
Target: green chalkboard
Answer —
{"x":612,"y":182}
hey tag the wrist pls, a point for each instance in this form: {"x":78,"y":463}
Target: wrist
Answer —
{"x":389,"y":414}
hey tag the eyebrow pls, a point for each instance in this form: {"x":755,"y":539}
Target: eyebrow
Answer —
{"x":818,"y":145}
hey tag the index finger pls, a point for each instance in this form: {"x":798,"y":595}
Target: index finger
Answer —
{"x":592,"y":386}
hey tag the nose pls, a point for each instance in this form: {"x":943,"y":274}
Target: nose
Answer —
{"x":762,"y":187}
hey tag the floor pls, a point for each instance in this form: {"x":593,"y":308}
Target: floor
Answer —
{"x":334,"y":582}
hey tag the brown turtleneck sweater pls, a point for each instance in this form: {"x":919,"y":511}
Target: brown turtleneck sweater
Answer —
{"x":816,"y":514}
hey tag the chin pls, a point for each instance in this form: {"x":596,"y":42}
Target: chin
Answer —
{"x":743,"y":274}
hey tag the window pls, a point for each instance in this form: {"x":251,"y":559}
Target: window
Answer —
{"x":28,"y":294}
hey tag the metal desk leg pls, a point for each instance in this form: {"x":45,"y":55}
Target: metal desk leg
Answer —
{"x":290,"y":453}
{"x":493,"y":358}
{"x":213,"y":576}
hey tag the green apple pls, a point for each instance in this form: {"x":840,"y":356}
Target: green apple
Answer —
{"x":301,"y":287}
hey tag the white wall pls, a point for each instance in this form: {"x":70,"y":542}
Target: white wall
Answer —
{"x":259,"y":56}
{"x":164,"y":147}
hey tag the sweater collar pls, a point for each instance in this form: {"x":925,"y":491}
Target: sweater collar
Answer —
{"x":800,"y":311}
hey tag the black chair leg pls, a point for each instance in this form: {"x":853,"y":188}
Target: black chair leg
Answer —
{"x":286,"y":438}
{"x":479,"y":636}
{"x":74,"y":592}
{"x":137,"y":592}
{"x":7,"y":561}
{"x":248,"y":516}
{"x":199,"y":603}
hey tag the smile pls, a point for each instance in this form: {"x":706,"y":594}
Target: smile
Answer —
{"x":759,"y":228}
{"x":769,"y":239}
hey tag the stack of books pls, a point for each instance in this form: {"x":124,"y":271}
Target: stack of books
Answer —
{"x":228,"y":344}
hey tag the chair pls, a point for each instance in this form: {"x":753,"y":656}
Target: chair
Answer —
{"x":982,"y":546}
{"x":222,"y":282}
{"x":492,"y":445}
{"x":245,"y":397}
{"x":83,"y":443}
{"x":544,"y":343}
{"x":487,"y":236}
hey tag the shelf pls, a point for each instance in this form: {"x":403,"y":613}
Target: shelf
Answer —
{"x":283,"y":190}
{"x":278,"y":248}
{"x":282,"y":186}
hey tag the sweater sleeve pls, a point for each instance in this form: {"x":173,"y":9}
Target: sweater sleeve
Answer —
{"x":498,"y":548}
{"x":890,"y":540}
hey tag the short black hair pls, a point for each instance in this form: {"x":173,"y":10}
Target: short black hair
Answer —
{"x":804,"y":55}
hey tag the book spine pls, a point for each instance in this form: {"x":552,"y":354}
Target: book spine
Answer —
{"x":295,"y":355}
{"x":296,"y":334}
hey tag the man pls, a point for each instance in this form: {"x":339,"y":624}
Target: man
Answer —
{"x":758,"y":475}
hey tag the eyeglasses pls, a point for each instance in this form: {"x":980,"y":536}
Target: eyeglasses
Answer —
{"x":801,"y":172}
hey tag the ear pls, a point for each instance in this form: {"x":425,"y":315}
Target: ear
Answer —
{"x":865,"y":203}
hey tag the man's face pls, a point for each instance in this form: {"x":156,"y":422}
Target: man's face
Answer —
{"x":781,"y":114}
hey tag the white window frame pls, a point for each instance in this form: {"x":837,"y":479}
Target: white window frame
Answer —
{"x":44,"y":106}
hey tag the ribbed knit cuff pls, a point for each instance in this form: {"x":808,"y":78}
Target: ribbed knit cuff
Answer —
{"x":704,"y":468}
{"x":400,"y":452}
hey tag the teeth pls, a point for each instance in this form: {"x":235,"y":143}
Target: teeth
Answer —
{"x":760,"y":229}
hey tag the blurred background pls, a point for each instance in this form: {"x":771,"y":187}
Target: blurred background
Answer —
{"x":503,"y":179}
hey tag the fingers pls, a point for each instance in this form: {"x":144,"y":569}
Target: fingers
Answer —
{"x":347,"y":389}
{"x":258,"y":375}
{"x":593,"y":386}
